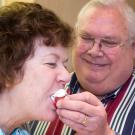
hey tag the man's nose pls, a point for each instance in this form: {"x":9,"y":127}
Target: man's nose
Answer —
{"x":96,"y":49}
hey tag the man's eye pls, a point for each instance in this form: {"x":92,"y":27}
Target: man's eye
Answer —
{"x":109,"y":43}
{"x":52,"y":65}
{"x":85,"y":38}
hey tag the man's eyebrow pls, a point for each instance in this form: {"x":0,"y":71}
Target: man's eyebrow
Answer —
{"x":110,"y":38}
{"x":85,"y":33}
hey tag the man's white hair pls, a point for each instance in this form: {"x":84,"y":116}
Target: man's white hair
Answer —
{"x":125,"y":10}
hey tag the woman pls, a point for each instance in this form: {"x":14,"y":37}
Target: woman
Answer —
{"x":33,"y":58}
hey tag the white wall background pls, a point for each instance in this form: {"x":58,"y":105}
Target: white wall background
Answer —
{"x":6,"y":2}
{"x":66,"y":9}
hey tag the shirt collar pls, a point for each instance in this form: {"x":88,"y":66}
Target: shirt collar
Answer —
{"x":75,"y":87}
{"x":74,"y":84}
{"x":110,"y":96}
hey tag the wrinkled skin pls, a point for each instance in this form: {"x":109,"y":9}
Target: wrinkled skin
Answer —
{"x":98,"y":70}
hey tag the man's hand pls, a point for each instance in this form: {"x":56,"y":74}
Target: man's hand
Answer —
{"x":84,"y":113}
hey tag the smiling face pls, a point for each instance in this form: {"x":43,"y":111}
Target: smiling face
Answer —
{"x":44,"y":74}
{"x":100,"y":70}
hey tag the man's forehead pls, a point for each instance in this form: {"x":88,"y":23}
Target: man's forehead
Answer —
{"x":103,"y":19}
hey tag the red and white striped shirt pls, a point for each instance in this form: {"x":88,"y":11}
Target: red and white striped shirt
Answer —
{"x":119,"y":105}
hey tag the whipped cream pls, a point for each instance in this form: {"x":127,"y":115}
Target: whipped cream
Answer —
{"x":61,"y":93}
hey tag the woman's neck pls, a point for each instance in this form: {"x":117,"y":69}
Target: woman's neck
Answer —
{"x":10,"y":114}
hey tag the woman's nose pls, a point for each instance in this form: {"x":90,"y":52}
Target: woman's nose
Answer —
{"x":64,"y":76}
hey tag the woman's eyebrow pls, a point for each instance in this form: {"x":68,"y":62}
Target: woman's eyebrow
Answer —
{"x":66,"y":60}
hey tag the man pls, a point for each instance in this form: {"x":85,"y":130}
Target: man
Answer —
{"x":103,"y":58}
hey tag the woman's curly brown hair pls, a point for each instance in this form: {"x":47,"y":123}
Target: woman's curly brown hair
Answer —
{"x":20,"y":24}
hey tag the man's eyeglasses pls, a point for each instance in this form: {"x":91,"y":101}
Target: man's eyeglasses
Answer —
{"x":104,"y":43}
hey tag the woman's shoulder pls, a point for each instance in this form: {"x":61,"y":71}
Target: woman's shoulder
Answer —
{"x":19,"y":131}
{"x":1,"y":132}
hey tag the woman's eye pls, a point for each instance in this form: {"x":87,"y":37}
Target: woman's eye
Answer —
{"x":52,"y":65}
{"x":66,"y":67}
